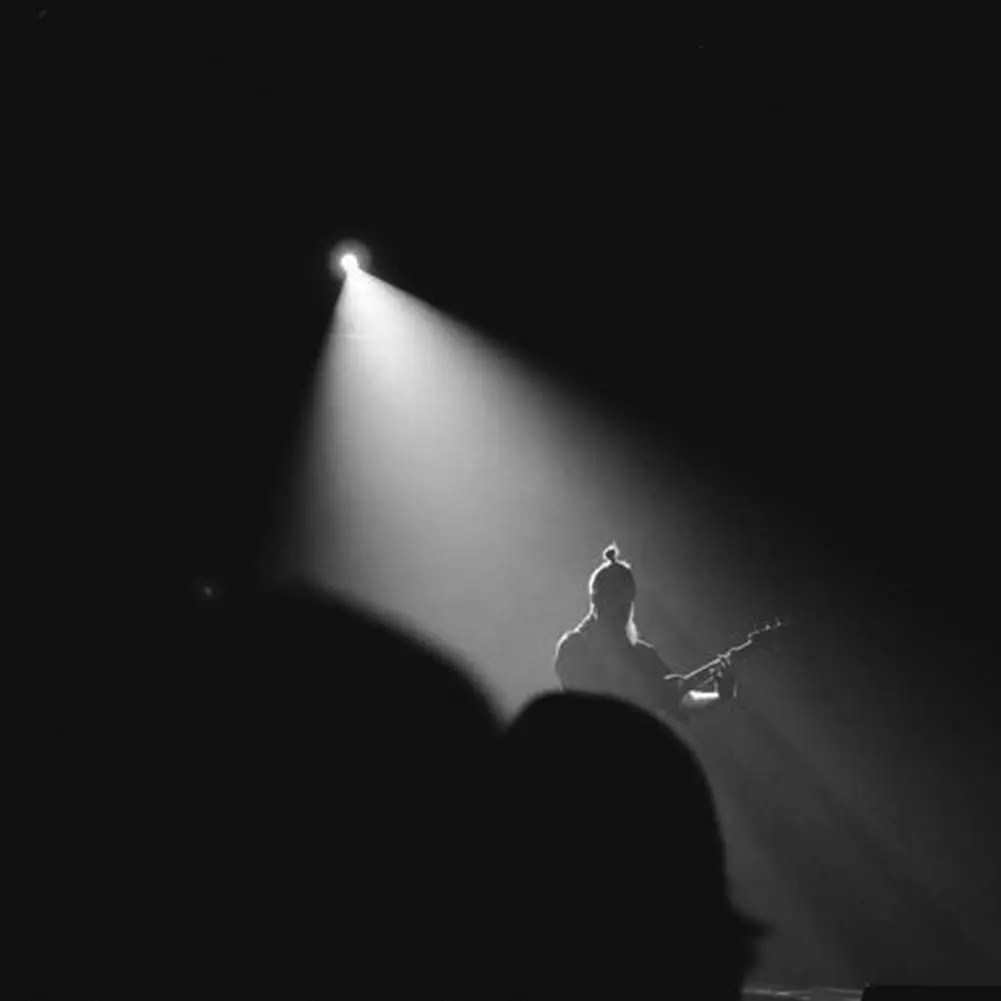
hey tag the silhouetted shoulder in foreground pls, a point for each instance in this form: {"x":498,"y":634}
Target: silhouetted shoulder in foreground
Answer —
{"x":274,"y":796}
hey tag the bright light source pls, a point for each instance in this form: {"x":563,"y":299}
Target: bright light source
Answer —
{"x":347,"y":258}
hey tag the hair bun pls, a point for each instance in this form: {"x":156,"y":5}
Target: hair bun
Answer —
{"x":611,"y":553}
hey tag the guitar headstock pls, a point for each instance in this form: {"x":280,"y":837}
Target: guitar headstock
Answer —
{"x":766,"y":636}
{"x":762,"y":637}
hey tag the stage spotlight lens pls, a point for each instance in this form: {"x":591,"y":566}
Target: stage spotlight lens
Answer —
{"x":349,"y":263}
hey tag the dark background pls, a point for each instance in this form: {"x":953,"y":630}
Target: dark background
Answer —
{"x":768,"y":242}
{"x":764,"y":243}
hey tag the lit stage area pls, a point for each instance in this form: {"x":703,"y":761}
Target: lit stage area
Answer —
{"x":427,"y":315}
{"x":444,"y":483}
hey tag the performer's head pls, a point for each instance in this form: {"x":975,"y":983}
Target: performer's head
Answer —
{"x":613,"y":592}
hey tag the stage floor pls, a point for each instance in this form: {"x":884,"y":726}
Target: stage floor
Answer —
{"x":758,"y":992}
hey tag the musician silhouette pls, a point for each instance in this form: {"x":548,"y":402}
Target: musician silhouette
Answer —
{"x":604,"y":654}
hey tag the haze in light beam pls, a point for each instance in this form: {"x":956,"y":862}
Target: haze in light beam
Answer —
{"x":454,"y":489}
{"x":447,"y":486}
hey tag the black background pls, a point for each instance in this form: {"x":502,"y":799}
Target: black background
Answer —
{"x":767,"y":241}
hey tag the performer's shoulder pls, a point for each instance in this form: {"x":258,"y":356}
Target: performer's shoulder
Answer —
{"x":570,"y":639}
{"x":645,"y":649}
{"x":647,"y":653}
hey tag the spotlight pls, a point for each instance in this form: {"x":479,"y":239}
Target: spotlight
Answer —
{"x":347,"y":258}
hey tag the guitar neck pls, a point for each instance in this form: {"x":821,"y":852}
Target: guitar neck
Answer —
{"x":724,"y":661}
{"x":720,"y":663}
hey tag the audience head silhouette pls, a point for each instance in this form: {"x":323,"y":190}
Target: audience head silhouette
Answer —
{"x":283,"y":798}
{"x":620,"y":862}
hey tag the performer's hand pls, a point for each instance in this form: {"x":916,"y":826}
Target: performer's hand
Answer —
{"x":726,"y":685}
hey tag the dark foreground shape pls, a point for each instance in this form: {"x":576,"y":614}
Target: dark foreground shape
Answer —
{"x":278,"y":796}
{"x":620,"y":863}
{"x":906,"y":992}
